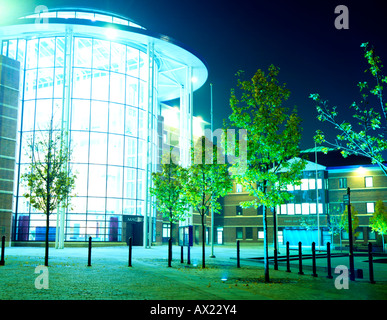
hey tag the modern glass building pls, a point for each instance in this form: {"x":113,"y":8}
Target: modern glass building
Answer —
{"x":102,"y":78}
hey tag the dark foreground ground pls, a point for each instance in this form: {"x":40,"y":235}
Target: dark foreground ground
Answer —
{"x":109,"y":278}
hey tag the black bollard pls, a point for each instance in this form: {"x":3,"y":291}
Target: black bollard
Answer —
{"x":189,"y":254}
{"x":329,"y":276}
{"x":89,"y":257}
{"x":238,"y":255}
{"x":2,"y":261}
{"x":169,"y":252}
{"x":370,"y":262}
{"x":314,"y":274}
{"x":287,"y":257}
{"x":300,"y":258}
{"x":130,"y":252}
{"x":182,"y":254}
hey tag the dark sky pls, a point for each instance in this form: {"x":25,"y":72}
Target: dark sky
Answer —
{"x":297,"y":36}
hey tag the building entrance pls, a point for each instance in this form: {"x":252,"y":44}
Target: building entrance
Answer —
{"x":134,"y":227}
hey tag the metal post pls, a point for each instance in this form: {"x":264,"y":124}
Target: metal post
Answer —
{"x":169,"y":252}
{"x":2,"y":261}
{"x":370,"y":262}
{"x":314,"y":274}
{"x":182,"y":255}
{"x":300,"y":258}
{"x":238,"y":255}
{"x":351,"y":260}
{"x":329,"y":260}
{"x":275,"y":240}
{"x":89,"y":257}
{"x":130,"y":252}
{"x":287,"y":257}
{"x":189,"y":254}
{"x":212,"y":210}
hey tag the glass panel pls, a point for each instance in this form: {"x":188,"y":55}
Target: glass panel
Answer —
{"x":95,"y":206}
{"x":114,"y":206}
{"x":80,"y":114}
{"x":78,"y":205}
{"x":114,"y":182}
{"x":101,"y":54}
{"x":131,"y":121}
{"x":130,"y":152}
{"x":80,"y":170}
{"x":143,"y":66}
{"x":132,"y":91}
{"x":81,"y":83}
{"x":116,"y":118}
{"x":100,"y":85}
{"x":140,"y":184}
{"x":129,"y":207}
{"x":28,"y":115}
{"x":142,"y":130}
{"x":46,"y":52}
{"x":141,"y":154}
{"x":98,"y":145}
{"x":59,"y":54}
{"x":116,"y":150}
{"x":99,"y":116}
{"x":130,"y":180}
{"x":32,"y":53}
{"x":118,"y":55}
{"x":12,"y":49}
{"x":97,"y":181}
{"x":30,"y":85}
{"x":43,"y":114}
{"x":143,"y":95}
{"x":58,"y":83}
{"x":82,"y":52}
{"x":80,"y":146}
{"x":117,"y":87}
{"x":132,"y":62}
{"x":45,"y":83}
{"x":21,"y":52}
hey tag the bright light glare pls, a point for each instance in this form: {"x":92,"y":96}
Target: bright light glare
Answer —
{"x":111,"y":33}
{"x":361,"y":171}
{"x":194,"y":79}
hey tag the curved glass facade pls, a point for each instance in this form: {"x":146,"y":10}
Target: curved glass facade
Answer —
{"x":107,"y":129}
{"x":103,"y":91}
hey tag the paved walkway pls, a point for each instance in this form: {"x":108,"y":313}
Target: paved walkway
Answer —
{"x":149,"y":278}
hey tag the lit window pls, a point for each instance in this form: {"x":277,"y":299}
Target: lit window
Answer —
{"x":313,"y":208}
{"x":304,"y":184}
{"x":305,"y":208}
{"x":290,"y":208}
{"x":239,"y":233}
{"x":342,"y":183}
{"x":298,"y":208}
{"x":261,"y":234}
{"x":368,"y":182}
{"x":370,"y":207}
{"x":238,"y":187}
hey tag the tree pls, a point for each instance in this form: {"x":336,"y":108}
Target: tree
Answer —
{"x":273,"y":137}
{"x":168,"y":188}
{"x":354,"y":218}
{"x":366,"y":134}
{"x":49,"y":180}
{"x":207,"y":181}
{"x":378,"y":221}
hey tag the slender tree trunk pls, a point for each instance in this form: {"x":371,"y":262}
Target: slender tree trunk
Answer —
{"x":203,"y":242}
{"x":265,"y":246}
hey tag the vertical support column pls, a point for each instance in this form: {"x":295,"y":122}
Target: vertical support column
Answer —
{"x":149,"y":146}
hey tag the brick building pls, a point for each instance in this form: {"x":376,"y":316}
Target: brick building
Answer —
{"x":334,"y":174}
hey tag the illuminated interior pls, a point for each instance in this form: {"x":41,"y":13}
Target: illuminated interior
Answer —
{"x":106,"y":89}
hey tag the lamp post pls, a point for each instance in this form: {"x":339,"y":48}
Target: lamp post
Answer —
{"x":347,"y":201}
{"x":212,"y":210}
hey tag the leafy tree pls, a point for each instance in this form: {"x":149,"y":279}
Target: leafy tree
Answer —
{"x":366,"y":134}
{"x":49,"y":180}
{"x":354,"y":218}
{"x":168,"y":188}
{"x":273,"y":137}
{"x":207,"y":181}
{"x":378,"y":222}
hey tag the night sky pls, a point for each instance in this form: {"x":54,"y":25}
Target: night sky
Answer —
{"x":297,"y":36}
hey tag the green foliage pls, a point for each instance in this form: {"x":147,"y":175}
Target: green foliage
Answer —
{"x":273,"y":137}
{"x":378,"y":222}
{"x":48,"y":178}
{"x":168,"y":188}
{"x":365,"y":134}
{"x":354,"y":218}
{"x":206,"y":181}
